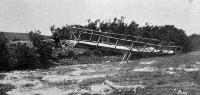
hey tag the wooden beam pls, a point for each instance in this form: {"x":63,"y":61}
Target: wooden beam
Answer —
{"x":91,"y":35}
{"x":180,"y":50}
{"x":125,"y":55}
{"x":116,"y":43}
{"x":175,"y":50}
{"x":130,"y":52}
{"x":79,"y":37}
{"x":108,"y":40}
{"x":98,"y":39}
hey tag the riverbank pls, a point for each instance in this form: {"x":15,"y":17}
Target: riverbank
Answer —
{"x":176,"y":75}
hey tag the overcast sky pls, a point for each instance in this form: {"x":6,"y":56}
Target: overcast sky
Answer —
{"x":26,"y":15}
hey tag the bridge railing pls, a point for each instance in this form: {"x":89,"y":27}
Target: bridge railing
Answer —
{"x":138,"y":43}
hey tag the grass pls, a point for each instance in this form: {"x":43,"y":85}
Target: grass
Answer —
{"x":161,"y":83}
{"x":83,"y":74}
{"x":5,"y":88}
{"x":177,"y":60}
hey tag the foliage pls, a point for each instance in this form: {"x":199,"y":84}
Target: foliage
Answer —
{"x":195,"y":41}
{"x":25,"y":54}
{"x":3,"y":52}
{"x":56,"y":35}
{"x":43,"y":48}
{"x":167,"y":34}
{"x":22,"y":55}
{"x":16,"y":55}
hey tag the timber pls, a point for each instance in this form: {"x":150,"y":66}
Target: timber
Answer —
{"x":118,"y":42}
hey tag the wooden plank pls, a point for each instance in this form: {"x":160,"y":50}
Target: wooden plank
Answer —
{"x":116,"y":43}
{"x":150,"y":44}
{"x":113,"y":33}
{"x":98,"y":39}
{"x":79,"y":37}
{"x":108,"y":39}
{"x":130,"y":51}
{"x":175,"y":49}
{"x":117,"y":38}
{"x":91,"y":36}
{"x":125,"y":55}
{"x":180,"y":50}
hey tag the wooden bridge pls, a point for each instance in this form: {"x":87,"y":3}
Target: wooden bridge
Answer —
{"x":126,"y":44}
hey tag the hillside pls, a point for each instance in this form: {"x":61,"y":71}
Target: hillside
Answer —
{"x":19,"y":36}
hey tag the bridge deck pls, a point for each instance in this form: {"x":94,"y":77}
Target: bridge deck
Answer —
{"x":125,"y":48}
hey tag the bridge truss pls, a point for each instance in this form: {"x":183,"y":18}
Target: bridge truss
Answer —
{"x":126,"y":44}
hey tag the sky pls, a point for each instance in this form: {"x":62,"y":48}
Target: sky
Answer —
{"x":26,"y":15}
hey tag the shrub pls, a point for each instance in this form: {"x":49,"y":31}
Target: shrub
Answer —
{"x":3,"y":52}
{"x":22,"y":55}
{"x":17,"y":55}
{"x":195,"y":41}
{"x":43,"y":48}
{"x":25,"y":54}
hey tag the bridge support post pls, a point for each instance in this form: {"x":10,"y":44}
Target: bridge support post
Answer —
{"x":161,"y":50}
{"x":70,"y":32}
{"x":79,"y":37}
{"x":108,"y":40}
{"x":91,"y":36}
{"x":116,"y":43}
{"x":175,"y":50}
{"x":180,"y":50}
{"x":124,"y":58}
{"x":98,"y":39}
{"x":128,"y":54}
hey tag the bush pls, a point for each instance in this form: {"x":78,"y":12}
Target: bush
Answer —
{"x":22,"y":55}
{"x":16,"y":55}
{"x":3,"y":52}
{"x":43,"y":48}
{"x":25,"y":54}
{"x":195,"y":41}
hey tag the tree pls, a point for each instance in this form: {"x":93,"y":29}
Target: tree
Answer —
{"x":166,"y":34}
{"x":4,"y":65}
{"x":55,"y":35}
{"x":132,"y":29}
{"x":195,"y":41}
{"x":43,"y":48}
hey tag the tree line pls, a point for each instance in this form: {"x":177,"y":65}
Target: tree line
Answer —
{"x":37,"y":53}
{"x":165,"y":33}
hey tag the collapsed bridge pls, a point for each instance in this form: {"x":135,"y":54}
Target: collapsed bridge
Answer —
{"x":125,"y":44}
